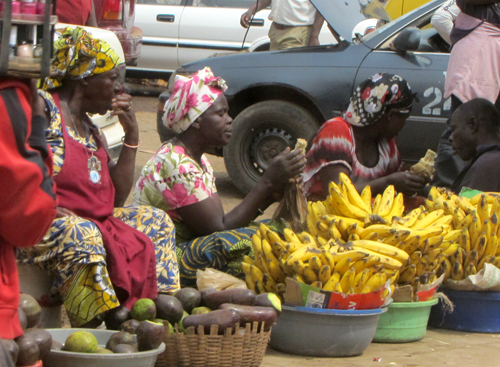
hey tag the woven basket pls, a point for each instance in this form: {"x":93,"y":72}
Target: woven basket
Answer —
{"x":233,"y":349}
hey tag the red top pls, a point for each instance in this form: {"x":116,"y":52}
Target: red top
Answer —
{"x":74,"y":11}
{"x":130,"y":254}
{"x":27,"y":201}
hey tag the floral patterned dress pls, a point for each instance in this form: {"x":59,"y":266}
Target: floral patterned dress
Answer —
{"x":170,"y":180}
{"x":73,"y":247}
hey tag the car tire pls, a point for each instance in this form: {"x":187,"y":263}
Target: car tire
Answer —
{"x":260,"y":132}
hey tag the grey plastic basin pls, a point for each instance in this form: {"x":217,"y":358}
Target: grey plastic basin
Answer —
{"x":324,"y":333}
{"x":59,"y":358}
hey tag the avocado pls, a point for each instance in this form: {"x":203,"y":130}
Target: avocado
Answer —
{"x":43,"y":339}
{"x":143,"y":309}
{"x":149,"y":335}
{"x":56,"y":345}
{"x":121,"y":337}
{"x":116,"y":317}
{"x":11,"y":347}
{"x":180,"y":324}
{"x":125,"y":348}
{"x":31,"y":308}
{"x":204,"y":293}
{"x":189,"y":297}
{"x":23,"y":320}
{"x":200,"y":310}
{"x":169,"y":308}
{"x":130,"y":326}
{"x":28,"y":351}
{"x":101,"y":350}
{"x":81,"y":341}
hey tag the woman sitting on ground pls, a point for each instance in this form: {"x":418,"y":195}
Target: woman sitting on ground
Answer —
{"x":103,"y":254}
{"x":361,"y":144}
{"x":179,"y":179}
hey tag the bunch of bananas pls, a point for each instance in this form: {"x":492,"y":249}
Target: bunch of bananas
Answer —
{"x":347,"y":216}
{"x":475,"y":230}
{"x":360,"y":266}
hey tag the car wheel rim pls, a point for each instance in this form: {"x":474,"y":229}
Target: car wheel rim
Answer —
{"x":266,"y":145}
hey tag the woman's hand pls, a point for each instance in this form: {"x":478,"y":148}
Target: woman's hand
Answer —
{"x":285,"y":166}
{"x":406,"y":182}
{"x":122,"y":107}
{"x":63,"y":212}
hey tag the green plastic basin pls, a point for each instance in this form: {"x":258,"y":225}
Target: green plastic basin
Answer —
{"x":404,"y":322}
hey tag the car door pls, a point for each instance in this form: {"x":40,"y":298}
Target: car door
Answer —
{"x":212,"y":26}
{"x":160,"y":23}
{"x":425,"y":71}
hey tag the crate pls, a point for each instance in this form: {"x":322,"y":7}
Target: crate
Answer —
{"x":26,"y":67}
{"x":243,"y":347}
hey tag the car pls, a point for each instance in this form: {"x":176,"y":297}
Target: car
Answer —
{"x":118,"y":17}
{"x":277,"y":97}
{"x":176,"y":32}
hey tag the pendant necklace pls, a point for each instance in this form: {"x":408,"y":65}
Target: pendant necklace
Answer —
{"x":93,"y":164}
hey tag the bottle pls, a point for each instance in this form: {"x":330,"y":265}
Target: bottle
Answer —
{"x":16,"y":7}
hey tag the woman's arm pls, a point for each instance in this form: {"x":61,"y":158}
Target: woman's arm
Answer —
{"x":122,"y":172}
{"x":207,"y":216}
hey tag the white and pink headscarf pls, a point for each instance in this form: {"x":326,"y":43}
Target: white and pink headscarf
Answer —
{"x":191,"y":97}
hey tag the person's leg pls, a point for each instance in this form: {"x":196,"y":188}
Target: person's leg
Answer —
{"x":74,"y":250}
{"x":448,"y":164}
{"x":157,"y":225}
{"x":294,"y":37}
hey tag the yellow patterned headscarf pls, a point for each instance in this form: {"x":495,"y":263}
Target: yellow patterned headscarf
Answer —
{"x":77,"y":55}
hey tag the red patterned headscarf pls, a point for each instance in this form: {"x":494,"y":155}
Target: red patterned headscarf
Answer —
{"x":375,"y":95}
{"x":190,"y":98}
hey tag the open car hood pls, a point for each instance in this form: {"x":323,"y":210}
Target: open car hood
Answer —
{"x":343,"y":15}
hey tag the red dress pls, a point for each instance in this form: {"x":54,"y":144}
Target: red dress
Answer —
{"x":130,"y":254}
{"x":73,"y":11}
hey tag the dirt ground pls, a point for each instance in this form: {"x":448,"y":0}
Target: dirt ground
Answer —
{"x":438,"y":348}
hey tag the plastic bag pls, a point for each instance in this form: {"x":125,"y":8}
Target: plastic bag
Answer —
{"x":211,"y":278}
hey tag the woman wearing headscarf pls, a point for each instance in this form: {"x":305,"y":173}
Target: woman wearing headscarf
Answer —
{"x":361,"y":144}
{"x":103,"y":254}
{"x":179,"y":179}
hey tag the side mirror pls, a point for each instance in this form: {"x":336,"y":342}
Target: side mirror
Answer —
{"x":407,"y":40}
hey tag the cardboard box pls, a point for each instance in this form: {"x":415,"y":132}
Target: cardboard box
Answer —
{"x":300,"y":294}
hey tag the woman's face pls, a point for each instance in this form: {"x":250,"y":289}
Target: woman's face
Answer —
{"x":396,"y":119}
{"x":216,"y":124}
{"x":102,"y":88}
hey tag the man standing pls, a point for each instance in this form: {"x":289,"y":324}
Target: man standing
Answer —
{"x":475,"y":136}
{"x":473,"y":71}
{"x":296,"y":23}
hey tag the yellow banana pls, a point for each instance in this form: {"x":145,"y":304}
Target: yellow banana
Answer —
{"x":321,"y":240}
{"x":415,"y":257}
{"x":480,"y":245}
{"x":269,"y":283}
{"x":293,"y":246}
{"x":332,"y":281}
{"x":360,"y":280}
{"x":434,"y":242}
{"x":485,"y":260}
{"x":421,"y":266}
{"x":311,"y":222}
{"x":304,"y":254}
{"x":337,"y":288}
{"x":429,"y":219}
{"x":411,"y":244}
{"x":342,"y":204}
{"x":464,"y":204}
{"x":343,"y":265}
{"x":397,"y":207}
{"x":492,"y":245}
{"x":434,"y":254}
{"x":475,"y":230}
{"x":256,"y":273}
{"x":250,"y":282}
{"x":433,"y":193}
{"x":347,"y":280}
{"x":307,"y":238}
{"x":494,"y":221}
{"x":383,"y":249}
{"x":444,"y":220}
{"x":451,"y":249}
{"x":465,"y":223}
{"x":387,"y":202}
{"x":290,"y":235}
{"x":457,"y":256}
{"x":471,"y":258}
{"x":426,"y":232}
{"x":247,"y":259}
{"x":382,"y":230}
{"x":470,"y":270}
{"x":352,"y":194}
{"x":329,"y":258}
{"x":496,"y":262}
{"x":275,"y":270}
{"x":376,"y":203}
{"x":464,"y":240}
{"x":388,"y":262}
{"x":482,"y":208}
{"x":278,"y":248}
{"x":446,"y":268}
{"x":452,"y":235}
{"x":315,"y":263}
{"x":354,"y":255}
{"x":366,"y":195}
{"x":324,"y":274}
{"x":245,"y":268}
{"x":299,"y":278}
{"x":409,"y":219}
{"x":376,"y":281}
{"x":408,"y":274}
{"x":317,"y":284}
{"x":458,"y":216}
{"x":310,"y":275}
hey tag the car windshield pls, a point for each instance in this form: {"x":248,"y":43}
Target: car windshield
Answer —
{"x":401,"y":20}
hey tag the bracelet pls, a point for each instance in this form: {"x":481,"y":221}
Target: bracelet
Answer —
{"x":131,"y":146}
